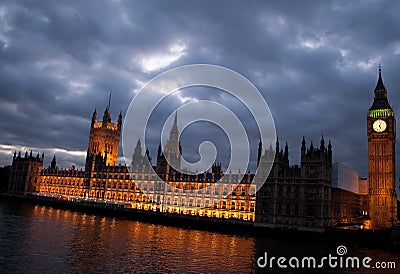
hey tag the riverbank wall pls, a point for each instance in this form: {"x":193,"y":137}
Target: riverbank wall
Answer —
{"x":332,"y":236}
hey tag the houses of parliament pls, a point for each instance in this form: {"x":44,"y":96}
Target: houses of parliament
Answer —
{"x":311,"y":196}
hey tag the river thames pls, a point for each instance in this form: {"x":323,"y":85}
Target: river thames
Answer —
{"x":37,"y":239}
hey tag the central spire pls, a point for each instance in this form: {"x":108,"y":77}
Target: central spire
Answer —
{"x":174,"y":133}
{"x":175,"y":125}
{"x":172,"y":148}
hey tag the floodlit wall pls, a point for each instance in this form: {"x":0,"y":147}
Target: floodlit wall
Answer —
{"x":345,"y":178}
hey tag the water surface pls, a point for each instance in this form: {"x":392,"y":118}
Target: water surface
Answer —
{"x":36,"y":239}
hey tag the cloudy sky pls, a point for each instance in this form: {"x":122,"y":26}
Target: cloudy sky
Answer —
{"x":315,"y":62}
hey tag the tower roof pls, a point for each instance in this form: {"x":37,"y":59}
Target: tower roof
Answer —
{"x":380,"y":104}
{"x":380,"y":98}
{"x":174,"y":133}
{"x":379,"y":85}
{"x":107,"y":115}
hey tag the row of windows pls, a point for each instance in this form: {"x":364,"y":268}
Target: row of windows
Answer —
{"x":310,"y":210}
{"x":179,"y":201}
{"x":151,"y":187}
{"x":63,"y":183}
{"x":295,"y":191}
{"x":121,"y":176}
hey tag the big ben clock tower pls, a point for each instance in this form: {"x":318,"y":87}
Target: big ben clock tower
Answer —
{"x":381,"y":127}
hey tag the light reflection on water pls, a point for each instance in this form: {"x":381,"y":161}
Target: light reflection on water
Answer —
{"x":42,"y":239}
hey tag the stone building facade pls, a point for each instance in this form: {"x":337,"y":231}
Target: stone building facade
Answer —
{"x":142,"y":186}
{"x":298,"y":197}
{"x":349,"y":197}
{"x":25,"y":174}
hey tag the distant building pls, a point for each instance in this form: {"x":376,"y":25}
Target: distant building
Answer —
{"x":25,"y":174}
{"x":298,"y":197}
{"x":138,"y":186}
{"x":349,"y":196}
{"x":345,"y":178}
{"x":4,"y":178}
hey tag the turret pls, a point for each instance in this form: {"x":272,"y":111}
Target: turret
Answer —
{"x":303,"y":147}
{"x":94,"y":117}
{"x":330,"y":151}
{"x":259,"y":152}
{"x":286,"y":154}
{"x":277,"y":145}
{"x":322,"y":146}
{"x":106,"y":117}
{"x":53,"y":163}
{"x":119,"y":123}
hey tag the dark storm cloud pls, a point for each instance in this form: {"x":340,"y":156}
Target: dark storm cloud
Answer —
{"x":314,"y":62}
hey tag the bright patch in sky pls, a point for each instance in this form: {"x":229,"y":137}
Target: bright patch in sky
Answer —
{"x":272,"y":23}
{"x":158,"y":61}
{"x":78,"y":87}
{"x":312,"y":43}
{"x":4,"y":28}
{"x":185,"y":99}
{"x":10,"y":148}
{"x":396,"y":50}
{"x":343,"y":52}
{"x":70,"y":157}
{"x":366,"y":65}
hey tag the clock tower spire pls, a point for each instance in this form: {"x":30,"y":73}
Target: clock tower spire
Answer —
{"x":381,"y":130}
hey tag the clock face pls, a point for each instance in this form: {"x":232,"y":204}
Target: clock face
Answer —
{"x":379,"y":125}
